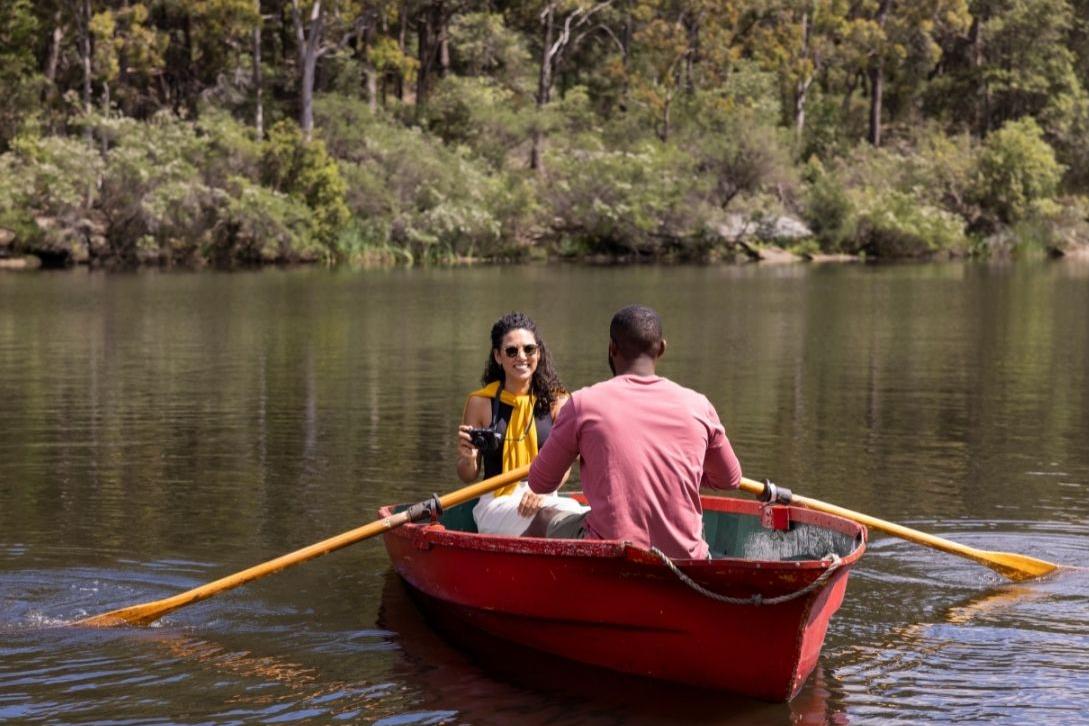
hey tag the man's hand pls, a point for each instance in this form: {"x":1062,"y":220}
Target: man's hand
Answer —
{"x":530,"y":504}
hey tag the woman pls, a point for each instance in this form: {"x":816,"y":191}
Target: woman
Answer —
{"x":520,"y":398}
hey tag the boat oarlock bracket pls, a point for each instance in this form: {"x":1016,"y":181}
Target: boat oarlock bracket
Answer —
{"x":427,"y":509}
{"x":775,"y":494}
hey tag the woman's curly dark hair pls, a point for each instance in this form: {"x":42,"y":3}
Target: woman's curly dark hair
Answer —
{"x":546,"y":385}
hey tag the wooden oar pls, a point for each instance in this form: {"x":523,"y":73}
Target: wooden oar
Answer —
{"x":149,"y":612}
{"x":1009,"y":564}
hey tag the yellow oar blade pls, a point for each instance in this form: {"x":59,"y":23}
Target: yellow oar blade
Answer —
{"x":149,"y":612}
{"x":1014,"y":566}
{"x":1008,"y":564}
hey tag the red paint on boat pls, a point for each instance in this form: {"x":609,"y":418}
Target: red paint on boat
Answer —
{"x":611,"y":604}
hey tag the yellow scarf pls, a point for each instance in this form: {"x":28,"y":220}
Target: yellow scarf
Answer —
{"x":518,"y":449}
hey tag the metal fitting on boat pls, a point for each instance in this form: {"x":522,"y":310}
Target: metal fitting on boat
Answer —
{"x":777,"y":494}
{"x":427,"y":509}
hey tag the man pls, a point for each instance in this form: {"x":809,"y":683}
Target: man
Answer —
{"x":647,"y":445}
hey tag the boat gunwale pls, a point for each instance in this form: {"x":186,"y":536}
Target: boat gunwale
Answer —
{"x":432,"y":534}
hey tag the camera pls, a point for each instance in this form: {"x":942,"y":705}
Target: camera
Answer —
{"x":486,"y":440}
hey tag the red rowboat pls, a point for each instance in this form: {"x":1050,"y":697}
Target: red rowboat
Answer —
{"x":612,"y":604}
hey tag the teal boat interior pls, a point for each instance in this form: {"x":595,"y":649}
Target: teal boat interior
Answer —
{"x":738,"y":535}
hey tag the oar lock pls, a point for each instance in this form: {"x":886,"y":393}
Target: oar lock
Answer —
{"x":774,"y":494}
{"x":427,"y":509}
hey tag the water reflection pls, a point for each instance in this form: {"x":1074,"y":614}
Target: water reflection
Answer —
{"x":988,"y":656}
{"x":158,"y":431}
{"x":495,"y":681}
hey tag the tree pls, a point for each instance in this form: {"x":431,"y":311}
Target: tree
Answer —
{"x":564,"y":25}
{"x":320,"y":28}
{"x":18,"y":27}
{"x":1016,"y":168}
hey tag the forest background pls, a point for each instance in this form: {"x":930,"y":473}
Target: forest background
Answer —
{"x":228,"y":132}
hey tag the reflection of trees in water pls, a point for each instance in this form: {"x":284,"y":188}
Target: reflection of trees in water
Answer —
{"x":489,"y":680}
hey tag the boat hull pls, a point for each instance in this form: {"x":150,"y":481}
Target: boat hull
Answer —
{"x":614,"y":605}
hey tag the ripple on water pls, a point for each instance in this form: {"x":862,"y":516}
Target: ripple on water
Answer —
{"x":1007,"y":653}
{"x":52,"y":671}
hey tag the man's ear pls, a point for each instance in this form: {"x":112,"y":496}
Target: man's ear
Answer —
{"x":613,"y":350}
{"x":662,"y":349}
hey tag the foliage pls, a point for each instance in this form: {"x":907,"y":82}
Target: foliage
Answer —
{"x":407,"y":189}
{"x":894,"y":224}
{"x":304,"y":170}
{"x":45,"y":194}
{"x":480,"y":114}
{"x":888,"y":204}
{"x":1017,"y":168}
{"x":829,"y":210}
{"x":646,"y":125}
{"x":262,"y":225}
{"x":19,"y":81}
{"x":626,"y":202}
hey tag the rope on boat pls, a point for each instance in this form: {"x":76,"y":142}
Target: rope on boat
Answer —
{"x":756,"y":599}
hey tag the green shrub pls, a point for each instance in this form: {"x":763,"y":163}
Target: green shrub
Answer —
{"x":304,"y":170}
{"x":48,"y":193}
{"x":894,"y":224}
{"x":407,"y":190}
{"x":258,"y":224}
{"x":1016,"y":168}
{"x":478,"y":113}
{"x":830,"y":212}
{"x":617,"y":202}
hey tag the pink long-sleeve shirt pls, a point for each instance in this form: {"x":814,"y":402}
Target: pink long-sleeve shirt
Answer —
{"x":647,"y":445}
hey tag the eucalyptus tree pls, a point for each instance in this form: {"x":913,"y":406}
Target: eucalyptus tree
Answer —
{"x":321,"y":27}
{"x":564,"y":26}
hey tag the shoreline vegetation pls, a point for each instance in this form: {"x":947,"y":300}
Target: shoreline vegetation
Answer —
{"x":232,"y":133}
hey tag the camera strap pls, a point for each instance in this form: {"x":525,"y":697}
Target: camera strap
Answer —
{"x":495,"y":415}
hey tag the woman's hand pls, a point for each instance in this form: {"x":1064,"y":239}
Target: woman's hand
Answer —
{"x":466,"y":450}
{"x":530,"y":503}
{"x":468,"y":463}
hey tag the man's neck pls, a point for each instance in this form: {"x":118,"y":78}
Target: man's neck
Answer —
{"x":642,"y":366}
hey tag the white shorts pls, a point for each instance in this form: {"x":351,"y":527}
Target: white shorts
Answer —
{"x":499,"y":515}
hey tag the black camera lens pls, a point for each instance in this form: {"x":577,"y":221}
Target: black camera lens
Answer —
{"x":486,"y":439}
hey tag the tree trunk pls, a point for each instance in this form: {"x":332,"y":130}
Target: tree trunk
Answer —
{"x":188,"y":82}
{"x":664,"y":134}
{"x":306,"y":92}
{"x":983,"y":107}
{"x":877,"y":88}
{"x":544,"y":86}
{"x":55,"y":41}
{"x":401,"y":44}
{"x":308,"y":37}
{"x":443,"y":26}
{"x":430,"y":31}
{"x":877,"y":79}
{"x":801,"y":89}
{"x":85,"y":53}
{"x":258,"y":94}
{"x":372,"y":88}
{"x":370,"y":73}
{"x":692,"y":27}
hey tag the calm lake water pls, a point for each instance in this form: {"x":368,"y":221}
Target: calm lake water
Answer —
{"x":161,"y":430}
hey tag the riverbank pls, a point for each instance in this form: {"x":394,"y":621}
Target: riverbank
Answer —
{"x":371,"y":190}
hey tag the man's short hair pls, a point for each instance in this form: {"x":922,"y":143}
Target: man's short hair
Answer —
{"x":636,"y":330}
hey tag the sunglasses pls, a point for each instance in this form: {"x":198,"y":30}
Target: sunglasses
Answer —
{"x":511,"y":351}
